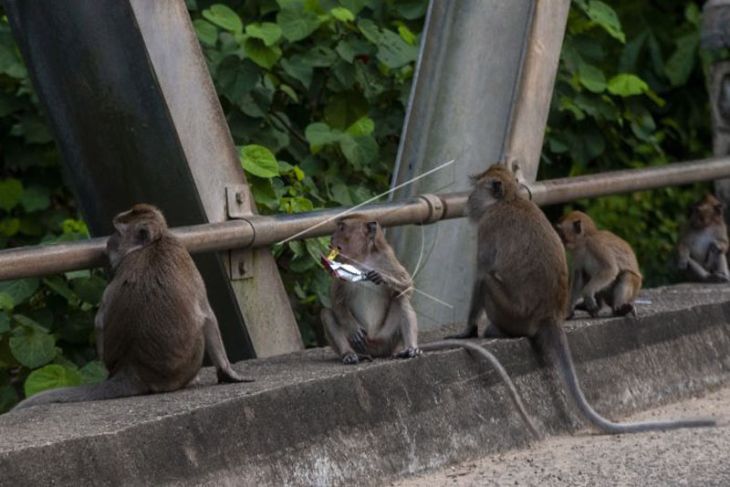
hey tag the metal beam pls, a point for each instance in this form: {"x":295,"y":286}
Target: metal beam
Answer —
{"x":262,"y":231}
{"x":133,"y":109}
{"x":480,"y":95}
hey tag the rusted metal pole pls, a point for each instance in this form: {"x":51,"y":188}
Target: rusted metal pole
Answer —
{"x":260,"y":231}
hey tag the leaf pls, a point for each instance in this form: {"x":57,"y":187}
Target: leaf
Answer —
{"x":236,"y":78}
{"x":359,"y":151}
{"x":19,"y":290}
{"x":363,"y":126}
{"x":289,"y":92}
{"x":268,"y":32}
{"x":11,"y":190}
{"x":207,"y":32}
{"x":93,"y":372}
{"x":223,"y":16}
{"x":341,"y":194}
{"x":51,"y":377}
{"x":297,"y":24}
{"x":410,"y":9}
{"x":319,"y":134}
{"x":35,"y":198}
{"x":6,"y":302}
{"x":627,"y":85}
{"x":89,"y":290}
{"x":299,"y":69}
{"x":261,"y":54}
{"x":259,"y":161}
{"x":4,"y":321}
{"x":60,"y":287}
{"x":591,"y":77}
{"x":342,"y":14}
{"x":344,"y":109}
{"x":393,"y":51}
{"x":34,"y":347}
{"x":9,"y":226}
{"x":680,"y":64}
{"x":406,"y":34}
{"x":606,"y":17}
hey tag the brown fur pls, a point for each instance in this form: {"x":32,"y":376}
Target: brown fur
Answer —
{"x":522,"y":283}
{"x":703,"y":244}
{"x":374,"y":317}
{"x":154,"y":323}
{"x":605,"y":269}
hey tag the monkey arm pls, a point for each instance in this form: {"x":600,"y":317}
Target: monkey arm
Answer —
{"x":684,"y":257}
{"x":575,"y":288}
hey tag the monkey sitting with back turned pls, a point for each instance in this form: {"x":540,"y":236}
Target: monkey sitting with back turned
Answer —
{"x":154,"y":322}
{"x":605,"y":269}
{"x":703,"y":244}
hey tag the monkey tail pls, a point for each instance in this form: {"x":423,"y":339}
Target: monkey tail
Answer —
{"x":556,"y":342}
{"x":494,"y":362}
{"x":120,"y":385}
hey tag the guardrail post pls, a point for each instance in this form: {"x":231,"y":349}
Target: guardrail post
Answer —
{"x":481,"y":95}
{"x":136,"y":117}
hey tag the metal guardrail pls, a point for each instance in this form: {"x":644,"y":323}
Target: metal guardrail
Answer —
{"x":260,"y":231}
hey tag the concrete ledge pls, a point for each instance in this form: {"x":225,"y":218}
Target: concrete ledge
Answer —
{"x":310,"y":421}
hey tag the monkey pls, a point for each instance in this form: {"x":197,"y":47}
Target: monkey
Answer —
{"x":703,"y":243}
{"x":374,"y":317}
{"x":522,"y":284}
{"x":154,"y":322}
{"x":605,"y":269}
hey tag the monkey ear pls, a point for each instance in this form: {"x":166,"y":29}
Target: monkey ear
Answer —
{"x":577,"y":227}
{"x":372,"y":229}
{"x":497,"y":189}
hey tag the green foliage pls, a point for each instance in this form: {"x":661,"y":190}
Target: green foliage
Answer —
{"x":44,"y":323}
{"x":630,"y":93}
{"x":314,"y":92}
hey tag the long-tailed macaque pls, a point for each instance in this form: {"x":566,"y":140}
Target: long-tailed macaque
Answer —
{"x":605,"y":269}
{"x":374,"y":317}
{"x":154,"y":323}
{"x":703,"y":245}
{"x":522,"y":283}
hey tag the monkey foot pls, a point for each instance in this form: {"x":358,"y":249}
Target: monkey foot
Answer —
{"x":353,"y":358}
{"x":718,"y":278}
{"x":408,"y":352}
{"x":625,"y":309}
{"x":230,"y":376}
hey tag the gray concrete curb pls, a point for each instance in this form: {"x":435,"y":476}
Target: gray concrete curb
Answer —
{"x":310,"y":421}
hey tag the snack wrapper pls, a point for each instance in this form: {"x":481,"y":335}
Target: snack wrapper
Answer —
{"x":346,"y":272}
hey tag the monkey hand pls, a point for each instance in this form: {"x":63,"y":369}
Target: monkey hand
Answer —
{"x":353,"y":358}
{"x":359,"y":340}
{"x":408,"y":352}
{"x":591,"y":306}
{"x":374,"y":276}
{"x":230,"y":376}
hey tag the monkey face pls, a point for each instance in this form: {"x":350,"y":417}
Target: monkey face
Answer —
{"x":572,"y":228}
{"x":355,"y":237}
{"x":706,"y":212}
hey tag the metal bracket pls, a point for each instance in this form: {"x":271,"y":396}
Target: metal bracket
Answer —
{"x":238,"y":205}
{"x":435,"y":206}
{"x":238,"y":201}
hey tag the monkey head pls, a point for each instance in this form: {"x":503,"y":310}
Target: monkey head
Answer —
{"x":495,"y":184}
{"x":706,"y":212}
{"x":356,"y":237}
{"x":574,"y":227}
{"x":133,"y":230}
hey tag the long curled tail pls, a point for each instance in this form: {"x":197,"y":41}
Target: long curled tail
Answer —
{"x":555,"y":343}
{"x":117,"y":386}
{"x":494,"y":362}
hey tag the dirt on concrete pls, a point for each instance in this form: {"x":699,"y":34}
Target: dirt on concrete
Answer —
{"x":688,"y":457}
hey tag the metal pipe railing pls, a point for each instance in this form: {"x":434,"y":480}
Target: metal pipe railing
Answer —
{"x":259,"y":231}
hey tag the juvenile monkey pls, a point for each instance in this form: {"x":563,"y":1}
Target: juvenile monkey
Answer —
{"x":154,"y":322}
{"x":522,"y":283}
{"x":605,"y":270}
{"x":703,"y":245}
{"x":374,"y":318}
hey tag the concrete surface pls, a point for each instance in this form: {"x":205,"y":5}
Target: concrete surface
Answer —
{"x":691,"y":457}
{"x":310,"y":421}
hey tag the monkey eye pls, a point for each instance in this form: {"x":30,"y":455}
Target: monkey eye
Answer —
{"x":497,"y":188}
